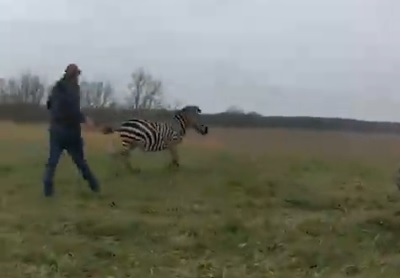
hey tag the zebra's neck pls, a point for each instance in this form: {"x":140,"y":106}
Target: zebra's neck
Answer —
{"x":181,"y":124}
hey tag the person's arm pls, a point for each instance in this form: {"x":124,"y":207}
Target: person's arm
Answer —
{"x":82,"y":117}
{"x":48,"y":102}
{"x":89,"y":122}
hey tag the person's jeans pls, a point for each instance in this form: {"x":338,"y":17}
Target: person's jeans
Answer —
{"x":61,"y":139}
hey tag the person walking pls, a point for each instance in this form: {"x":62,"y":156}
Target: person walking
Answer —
{"x":65,"y":129}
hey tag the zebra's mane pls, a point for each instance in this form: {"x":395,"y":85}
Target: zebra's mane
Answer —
{"x":179,"y":124}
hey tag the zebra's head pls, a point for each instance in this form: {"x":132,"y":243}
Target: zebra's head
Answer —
{"x":189,"y":117}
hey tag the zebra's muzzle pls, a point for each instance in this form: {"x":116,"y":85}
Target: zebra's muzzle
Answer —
{"x":204,"y":130}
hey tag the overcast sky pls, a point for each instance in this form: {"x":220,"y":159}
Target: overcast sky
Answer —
{"x":282,"y":57}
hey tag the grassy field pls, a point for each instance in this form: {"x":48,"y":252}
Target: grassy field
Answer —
{"x":246,"y":203}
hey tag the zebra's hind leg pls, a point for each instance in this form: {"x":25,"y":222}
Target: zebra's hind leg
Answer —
{"x":117,"y":162}
{"x":397,"y":179}
{"x":121,"y":160}
{"x":114,"y":150}
{"x":125,"y":158}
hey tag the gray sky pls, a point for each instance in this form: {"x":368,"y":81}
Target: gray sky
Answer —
{"x":282,"y":57}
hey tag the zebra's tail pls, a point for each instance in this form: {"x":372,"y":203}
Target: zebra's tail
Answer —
{"x":107,"y":130}
{"x":397,"y":179}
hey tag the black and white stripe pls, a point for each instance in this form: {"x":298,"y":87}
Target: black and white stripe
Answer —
{"x":153,"y":136}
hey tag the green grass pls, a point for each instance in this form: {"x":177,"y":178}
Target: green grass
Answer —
{"x":224,"y":214}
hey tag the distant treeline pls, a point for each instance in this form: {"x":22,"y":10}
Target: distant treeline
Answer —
{"x":21,"y":98}
{"x":29,"y":113}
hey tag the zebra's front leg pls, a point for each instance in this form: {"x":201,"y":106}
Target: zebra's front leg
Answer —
{"x":174,"y":157}
{"x":397,"y":179}
{"x":125,"y":156}
{"x":115,"y":164}
{"x":120,"y":161}
{"x":115,"y":158}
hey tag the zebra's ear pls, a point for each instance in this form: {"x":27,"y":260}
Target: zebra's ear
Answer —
{"x":191,"y":109}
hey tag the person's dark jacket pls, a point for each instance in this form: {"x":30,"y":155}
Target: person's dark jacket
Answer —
{"x":64,"y":105}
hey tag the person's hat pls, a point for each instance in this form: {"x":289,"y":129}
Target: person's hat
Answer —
{"x":72,"y":69}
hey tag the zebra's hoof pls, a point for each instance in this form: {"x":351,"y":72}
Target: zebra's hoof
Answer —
{"x":397,"y":183}
{"x":136,"y":170}
{"x":174,"y":165}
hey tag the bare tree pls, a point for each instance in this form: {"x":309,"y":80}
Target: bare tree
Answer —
{"x":96,"y":94}
{"x":145,"y":92}
{"x":28,"y":88}
{"x":174,"y":105}
{"x":235,"y":110}
{"x":3,"y":90}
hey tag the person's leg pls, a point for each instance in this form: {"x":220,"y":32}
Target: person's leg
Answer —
{"x":75,"y":150}
{"x":55,"y":151}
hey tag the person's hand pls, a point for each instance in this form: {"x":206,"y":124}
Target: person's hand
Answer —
{"x":89,"y":123}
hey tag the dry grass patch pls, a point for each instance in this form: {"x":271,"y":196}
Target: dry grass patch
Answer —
{"x":284,"y":204}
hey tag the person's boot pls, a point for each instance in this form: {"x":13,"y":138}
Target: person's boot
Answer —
{"x":90,"y":178}
{"x":93,"y":184}
{"x":48,"y":188}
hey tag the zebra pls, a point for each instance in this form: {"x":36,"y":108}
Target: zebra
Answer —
{"x":155,"y":136}
{"x":397,"y":179}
